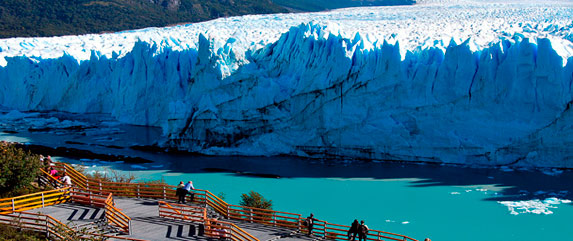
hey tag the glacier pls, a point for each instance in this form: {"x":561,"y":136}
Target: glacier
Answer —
{"x":465,"y":82}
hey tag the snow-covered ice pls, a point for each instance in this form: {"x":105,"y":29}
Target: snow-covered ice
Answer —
{"x":535,"y":206}
{"x":473,"y":82}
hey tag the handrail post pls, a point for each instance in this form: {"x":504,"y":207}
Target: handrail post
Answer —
{"x":47,"y":228}
{"x":43,"y":199}
{"x":274,"y":219}
{"x":13,"y":207}
{"x":164,"y":194}
{"x":99,"y":182}
{"x":129,"y":227}
{"x":228,"y":211}
{"x":251,"y":215}
{"x":138,"y":185}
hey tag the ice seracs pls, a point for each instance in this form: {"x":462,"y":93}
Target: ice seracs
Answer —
{"x":472,"y":82}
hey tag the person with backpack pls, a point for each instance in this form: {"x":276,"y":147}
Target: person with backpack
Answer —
{"x":353,"y":231}
{"x":309,"y":223}
{"x":180,"y":192}
{"x":362,"y":231}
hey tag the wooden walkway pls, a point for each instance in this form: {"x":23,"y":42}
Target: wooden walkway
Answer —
{"x":147,"y":225}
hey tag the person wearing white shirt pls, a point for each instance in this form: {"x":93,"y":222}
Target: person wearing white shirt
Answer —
{"x":66,"y":180}
{"x":188,"y":187}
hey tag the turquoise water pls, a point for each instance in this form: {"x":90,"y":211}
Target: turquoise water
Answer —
{"x":417,"y":207}
{"x":440,"y":202}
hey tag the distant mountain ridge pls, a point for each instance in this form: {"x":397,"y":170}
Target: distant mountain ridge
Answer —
{"x":39,"y":18}
{"x":42,"y":18}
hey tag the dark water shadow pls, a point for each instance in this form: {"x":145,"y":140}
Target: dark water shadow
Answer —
{"x":519,"y":184}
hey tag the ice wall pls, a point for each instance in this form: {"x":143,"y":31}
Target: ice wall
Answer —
{"x":316,"y":93}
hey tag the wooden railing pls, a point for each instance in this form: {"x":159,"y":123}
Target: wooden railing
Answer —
{"x":263,"y":216}
{"x":225,"y":230}
{"x":340,"y":232}
{"x":34,"y":200}
{"x":184,"y":212}
{"x":115,"y":217}
{"x":45,"y":179}
{"x":101,"y":199}
{"x":85,"y":197}
{"x":40,"y":223}
{"x":54,"y":229}
{"x":78,"y":179}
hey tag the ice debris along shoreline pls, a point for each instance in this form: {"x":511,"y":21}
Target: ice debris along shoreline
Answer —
{"x":469,"y":82}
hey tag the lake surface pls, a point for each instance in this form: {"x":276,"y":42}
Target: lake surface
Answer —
{"x":437,"y":201}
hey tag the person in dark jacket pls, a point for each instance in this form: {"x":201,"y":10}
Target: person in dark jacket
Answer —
{"x":362,"y":231}
{"x":180,"y":193}
{"x":309,"y":223}
{"x":353,"y":231}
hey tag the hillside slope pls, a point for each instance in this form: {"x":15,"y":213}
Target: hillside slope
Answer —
{"x":39,"y":18}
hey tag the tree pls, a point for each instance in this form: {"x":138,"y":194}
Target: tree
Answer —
{"x":255,"y":200}
{"x":18,"y":169}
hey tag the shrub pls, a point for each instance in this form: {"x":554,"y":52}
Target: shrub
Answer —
{"x":255,"y":200}
{"x":18,"y":169}
{"x":11,"y":233}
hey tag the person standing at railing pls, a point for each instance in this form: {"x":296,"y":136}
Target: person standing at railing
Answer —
{"x":188,"y":187}
{"x":362,"y":231}
{"x":309,"y":223}
{"x":353,"y":231}
{"x":180,"y":192}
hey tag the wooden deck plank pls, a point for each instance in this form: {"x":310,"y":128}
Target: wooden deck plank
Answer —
{"x":146,"y":223}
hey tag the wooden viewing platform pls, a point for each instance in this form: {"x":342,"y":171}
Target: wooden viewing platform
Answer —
{"x":138,"y":211}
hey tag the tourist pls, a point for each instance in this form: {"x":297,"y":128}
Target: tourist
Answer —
{"x":362,"y":231}
{"x":219,"y":231}
{"x":49,"y":161}
{"x":181,"y":192}
{"x":353,"y":231}
{"x":188,"y":187}
{"x":66,"y":180}
{"x":309,"y":223}
{"x":53,"y":172}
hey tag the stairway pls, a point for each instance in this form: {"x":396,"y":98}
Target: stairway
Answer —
{"x":99,"y":226}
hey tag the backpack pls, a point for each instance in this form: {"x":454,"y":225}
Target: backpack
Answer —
{"x":363,"y":229}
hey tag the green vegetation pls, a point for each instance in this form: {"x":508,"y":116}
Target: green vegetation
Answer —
{"x":11,"y":233}
{"x":321,"y":5}
{"x":18,"y":170}
{"x":255,"y":200}
{"x":33,"y":18}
